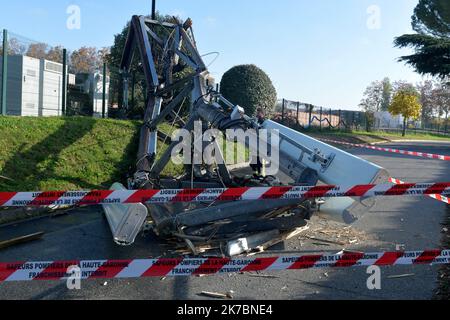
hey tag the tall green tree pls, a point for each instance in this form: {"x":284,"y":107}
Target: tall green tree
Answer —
{"x":431,"y":21}
{"x":432,"y":17}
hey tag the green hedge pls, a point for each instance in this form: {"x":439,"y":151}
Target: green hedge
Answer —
{"x":250,"y":87}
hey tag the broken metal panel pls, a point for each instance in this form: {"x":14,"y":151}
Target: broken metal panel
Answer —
{"x":125,"y":220}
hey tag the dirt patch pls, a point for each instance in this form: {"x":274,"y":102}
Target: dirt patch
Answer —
{"x":443,"y":291}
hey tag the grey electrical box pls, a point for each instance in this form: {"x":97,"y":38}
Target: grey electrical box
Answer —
{"x":91,"y":84}
{"x":34,"y":87}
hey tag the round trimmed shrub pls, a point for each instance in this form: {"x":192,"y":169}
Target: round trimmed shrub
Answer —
{"x":249,"y":87}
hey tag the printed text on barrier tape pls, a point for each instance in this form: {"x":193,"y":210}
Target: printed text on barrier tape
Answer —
{"x":408,"y":153}
{"x":21,"y":199}
{"x":120,"y":269}
{"x":438,"y":197}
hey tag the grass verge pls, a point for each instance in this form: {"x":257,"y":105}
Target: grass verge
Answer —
{"x":73,"y":153}
{"x":373,"y":137}
{"x":42,"y":154}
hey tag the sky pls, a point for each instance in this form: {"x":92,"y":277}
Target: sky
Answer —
{"x":323,"y":52}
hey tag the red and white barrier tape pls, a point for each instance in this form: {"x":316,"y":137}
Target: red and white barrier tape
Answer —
{"x":21,"y":199}
{"x":120,"y":269}
{"x":434,"y":196}
{"x":408,"y":153}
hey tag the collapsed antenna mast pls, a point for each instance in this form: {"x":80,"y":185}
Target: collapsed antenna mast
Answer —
{"x":175,"y":73}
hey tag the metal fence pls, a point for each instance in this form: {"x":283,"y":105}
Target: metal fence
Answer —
{"x":300,"y":115}
{"x":37,"y":79}
{"x":132,"y":84}
{"x":434,"y":124}
{"x":415,"y":130}
{"x":304,"y":115}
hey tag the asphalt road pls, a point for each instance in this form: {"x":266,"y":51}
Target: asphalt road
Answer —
{"x":409,"y":223}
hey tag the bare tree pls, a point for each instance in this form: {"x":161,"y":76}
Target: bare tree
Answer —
{"x":427,"y":100}
{"x":55,"y":54}
{"x":403,"y":86}
{"x":84,"y":60}
{"x":103,"y":55}
{"x":442,"y":102}
{"x":373,"y":97}
{"x":15,"y":47}
{"x":37,"y":50}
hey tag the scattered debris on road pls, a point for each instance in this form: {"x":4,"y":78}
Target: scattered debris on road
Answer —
{"x":406,"y":275}
{"x":325,"y":241}
{"x":333,"y":234}
{"x":216,"y":295}
{"x":20,"y":240}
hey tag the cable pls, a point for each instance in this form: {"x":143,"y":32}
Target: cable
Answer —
{"x":214,"y":60}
